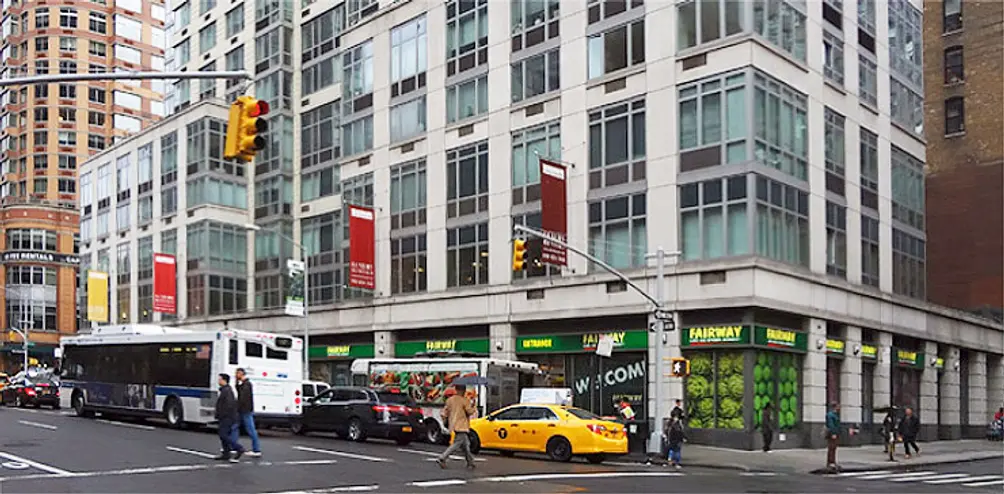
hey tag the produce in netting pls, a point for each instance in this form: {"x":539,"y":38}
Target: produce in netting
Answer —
{"x":730,"y":390}
{"x":700,"y":391}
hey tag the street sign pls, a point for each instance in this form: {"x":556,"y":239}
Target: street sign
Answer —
{"x":662,"y":314}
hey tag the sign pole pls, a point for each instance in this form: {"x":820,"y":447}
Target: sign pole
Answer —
{"x":655,"y":436}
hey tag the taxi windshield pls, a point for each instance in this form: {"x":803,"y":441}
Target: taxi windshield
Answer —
{"x":583,"y":414}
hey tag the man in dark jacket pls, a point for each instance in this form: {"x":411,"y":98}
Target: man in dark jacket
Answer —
{"x":677,"y":412}
{"x":227,"y":417}
{"x":890,"y":428}
{"x":832,"y":436}
{"x":909,"y":429}
{"x":245,"y":406}
{"x":767,"y":426}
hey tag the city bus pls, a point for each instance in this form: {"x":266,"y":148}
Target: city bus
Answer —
{"x":427,"y":382}
{"x":145,"y":370}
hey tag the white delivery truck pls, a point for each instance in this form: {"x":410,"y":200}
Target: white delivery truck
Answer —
{"x":429,"y":381}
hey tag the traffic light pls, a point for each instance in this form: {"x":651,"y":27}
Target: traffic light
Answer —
{"x":244,"y":129}
{"x":680,"y":367}
{"x":518,"y":254}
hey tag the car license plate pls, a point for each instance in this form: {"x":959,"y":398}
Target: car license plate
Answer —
{"x":406,"y":429}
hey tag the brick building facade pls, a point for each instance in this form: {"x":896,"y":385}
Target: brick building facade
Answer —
{"x":964,"y":98}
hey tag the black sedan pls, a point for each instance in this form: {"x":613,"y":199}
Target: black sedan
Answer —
{"x":360,"y":413}
{"x":24,"y":391}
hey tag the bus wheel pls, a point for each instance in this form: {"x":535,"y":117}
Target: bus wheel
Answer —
{"x":173,"y":413}
{"x":78,"y":405}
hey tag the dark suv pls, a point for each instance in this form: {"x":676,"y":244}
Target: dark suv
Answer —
{"x":360,"y":413}
{"x":22,"y":391}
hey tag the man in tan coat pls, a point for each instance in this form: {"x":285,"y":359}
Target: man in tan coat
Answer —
{"x":457,"y":414}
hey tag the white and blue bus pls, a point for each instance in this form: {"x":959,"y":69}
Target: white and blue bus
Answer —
{"x":157,"y":371}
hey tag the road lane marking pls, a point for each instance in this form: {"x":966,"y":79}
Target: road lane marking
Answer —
{"x":930,"y":476}
{"x":126,"y":424}
{"x":985,"y":484}
{"x":343,"y":454}
{"x":594,"y":475}
{"x":437,"y":483}
{"x":434,"y":455}
{"x":971,"y":480}
{"x":40,"y":466}
{"x":38,"y":424}
{"x":944,"y":476}
{"x":310,"y":462}
{"x":887,"y":476}
{"x":191,"y":452}
{"x":758,"y":474}
{"x":858,"y":474}
{"x":346,"y":488}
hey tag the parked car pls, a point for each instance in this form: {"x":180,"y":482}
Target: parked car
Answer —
{"x":34,"y":389}
{"x":314,"y":388}
{"x":358,"y":413}
{"x":558,"y":431}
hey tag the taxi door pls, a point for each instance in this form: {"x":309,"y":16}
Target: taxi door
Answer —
{"x":505,"y":431}
{"x":539,"y":424}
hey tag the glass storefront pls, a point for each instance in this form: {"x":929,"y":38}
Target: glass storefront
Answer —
{"x":333,"y":363}
{"x":597,"y":383}
{"x":907,"y":368}
{"x":834,"y":367}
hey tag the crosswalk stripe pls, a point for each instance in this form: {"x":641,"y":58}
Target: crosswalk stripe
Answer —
{"x":342,"y":454}
{"x":965,"y":479}
{"x":858,"y":474}
{"x":930,"y":476}
{"x":950,"y":477}
{"x":887,"y":476}
{"x":985,"y":484}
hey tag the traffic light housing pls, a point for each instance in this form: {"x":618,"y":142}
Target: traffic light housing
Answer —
{"x":680,"y":367}
{"x":245,"y":128}
{"x":518,"y":254}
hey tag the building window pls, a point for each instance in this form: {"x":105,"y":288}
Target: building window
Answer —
{"x":122,"y":217}
{"x":955,"y":115}
{"x":41,"y":114}
{"x":869,"y":169}
{"x":599,"y":9}
{"x":408,"y":195}
{"x":144,"y":248}
{"x":616,"y":49}
{"x":705,"y":108}
{"x":67,"y":115}
{"x":866,"y":16}
{"x":407,"y":119}
{"x":169,"y":242}
{"x":86,"y":192}
{"x":951,"y":15}
{"x":322,"y":238}
{"x":703,"y":21}
{"x":533,"y":22}
{"x":96,"y":95}
{"x":617,"y":144}
{"x":320,"y":147}
{"x":833,"y":58}
{"x":41,"y":44}
{"x":466,"y":35}
{"x":954,"y":66}
{"x":782,"y":133}
{"x":467,"y":255}
{"x":782,"y":222}
{"x":123,"y":268}
{"x":145,"y":302}
{"x":168,"y":201}
{"x":235,"y":20}
{"x":836,"y":239}
{"x":356,"y":10}
{"x":408,"y":264}
{"x":169,"y":158}
{"x":407,"y":57}
{"x":67,"y":138}
{"x":617,"y":230}
{"x":273,"y":197}
{"x":41,"y":18}
{"x":714,"y":218}
{"x":834,"y":151}
{"x":321,"y":63}
{"x":217,"y":246}
{"x":67,"y":17}
{"x":145,"y":205}
{"x":357,"y":63}
{"x":144,"y":166}
{"x":40,"y":185}
{"x":31,"y":239}
{"x":905,"y":47}
{"x":467,"y":99}
{"x":782,"y":23}
{"x":42,"y":91}
{"x":357,"y":136}
{"x":909,"y":271}
{"x":867,"y":80}
{"x":67,"y":186}
{"x":528,"y":147}
{"x":216,"y":191}
{"x":97,"y":48}
{"x":467,"y":180}
{"x":67,"y":67}
{"x":536,"y":75}
{"x":207,"y":38}
{"x":870,"y":251}
{"x":98,"y":22}
{"x":183,"y":51}
{"x":907,"y":189}
{"x":102,"y":223}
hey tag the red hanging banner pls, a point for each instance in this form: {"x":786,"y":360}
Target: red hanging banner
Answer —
{"x":554,"y":218}
{"x":362,"y":273}
{"x":165,"y":284}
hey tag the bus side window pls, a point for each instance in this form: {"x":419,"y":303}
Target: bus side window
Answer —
{"x":275,"y":354}
{"x":234,"y":350}
{"x":252,"y":349}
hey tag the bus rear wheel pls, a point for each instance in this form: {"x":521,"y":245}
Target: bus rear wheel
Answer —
{"x":78,"y":405}
{"x":174,"y":414}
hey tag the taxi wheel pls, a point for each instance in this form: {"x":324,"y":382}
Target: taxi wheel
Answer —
{"x":475,"y":442}
{"x":559,"y":449}
{"x":596,"y":459}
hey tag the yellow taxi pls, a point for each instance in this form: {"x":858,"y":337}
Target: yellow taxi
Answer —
{"x":559,"y":431}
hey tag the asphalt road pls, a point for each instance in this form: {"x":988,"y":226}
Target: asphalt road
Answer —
{"x":52,"y":451}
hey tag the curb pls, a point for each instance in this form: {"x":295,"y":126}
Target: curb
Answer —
{"x":712,"y":466}
{"x":899,"y":465}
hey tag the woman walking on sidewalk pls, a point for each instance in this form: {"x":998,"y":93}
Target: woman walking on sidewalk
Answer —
{"x":675,"y":438}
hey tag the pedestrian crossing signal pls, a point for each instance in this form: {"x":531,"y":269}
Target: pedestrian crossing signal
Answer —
{"x":518,"y":254}
{"x":680,"y":367}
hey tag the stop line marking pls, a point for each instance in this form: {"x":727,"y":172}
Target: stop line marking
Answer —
{"x":126,"y":424}
{"x":38,"y":424}
{"x":40,"y":466}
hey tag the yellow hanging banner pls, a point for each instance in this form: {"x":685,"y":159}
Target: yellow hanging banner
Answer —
{"x":97,"y":296}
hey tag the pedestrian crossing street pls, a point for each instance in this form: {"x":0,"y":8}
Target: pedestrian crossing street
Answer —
{"x":929,"y":477}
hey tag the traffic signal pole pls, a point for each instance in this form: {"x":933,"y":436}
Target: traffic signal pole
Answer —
{"x":124,"y":76}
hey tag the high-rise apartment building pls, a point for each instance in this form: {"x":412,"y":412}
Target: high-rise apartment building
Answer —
{"x":46,"y":129}
{"x":777,"y":144}
{"x":963,"y":63}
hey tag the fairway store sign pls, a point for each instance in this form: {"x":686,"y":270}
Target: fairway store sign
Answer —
{"x":573,"y":343}
{"x":731,"y":335}
{"x":784,"y":339}
{"x":907,"y":358}
{"x":478,"y":346}
{"x":869,"y":352}
{"x":835,"y":347}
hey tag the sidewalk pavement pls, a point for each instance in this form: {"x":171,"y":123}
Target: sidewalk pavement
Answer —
{"x":850,"y":459}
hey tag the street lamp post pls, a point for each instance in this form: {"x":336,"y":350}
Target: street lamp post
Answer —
{"x":306,"y":291}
